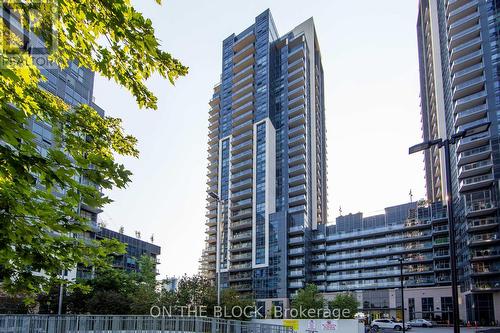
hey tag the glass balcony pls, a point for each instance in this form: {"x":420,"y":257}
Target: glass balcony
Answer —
{"x":483,"y":239}
{"x":296,"y":190}
{"x":474,"y":155}
{"x":241,"y":235}
{"x":468,"y":87}
{"x":297,"y":200}
{"x":243,"y":174}
{"x":467,"y":61}
{"x":241,"y":194}
{"x":479,"y":207}
{"x":481,"y":224}
{"x":473,"y":183}
{"x":468,"y":47}
{"x":296,"y":180}
{"x":242,"y":156}
{"x":243,"y":127}
{"x":243,"y":64}
{"x":297,"y":170}
{"x":467,"y":73}
{"x":244,"y":52}
{"x":237,"y":139}
{"x":242,"y":224}
{"x":462,"y":11}
{"x":471,"y":114}
{"x":296,"y":284}
{"x":464,"y":36}
{"x":463,"y":23}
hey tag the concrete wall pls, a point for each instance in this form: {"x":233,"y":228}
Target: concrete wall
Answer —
{"x":318,"y":325}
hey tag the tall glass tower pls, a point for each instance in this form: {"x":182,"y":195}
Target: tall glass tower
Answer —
{"x":267,"y":161}
{"x":459,"y":66}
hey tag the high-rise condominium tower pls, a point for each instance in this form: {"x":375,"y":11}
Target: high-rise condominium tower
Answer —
{"x":459,"y":66}
{"x":267,"y":160}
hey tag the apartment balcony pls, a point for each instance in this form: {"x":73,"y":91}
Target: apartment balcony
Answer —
{"x":215,"y":100}
{"x":241,"y":236}
{"x":296,"y":262}
{"x":296,"y":285}
{"x":242,"y":224}
{"x":318,"y":267}
{"x":474,"y":155}
{"x":483,"y":239}
{"x":244,"y":52}
{"x":242,"y":184}
{"x":297,"y":170}
{"x":296,"y":273}
{"x":213,"y":133}
{"x":237,"y":139}
{"x":238,"y":195}
{"x":297,"y":190}
{"x":211,"y":221}
{"x":241,"y":257}
{"x":454,"y":4}
{"x":211,"y":213}
{"x":297,"y":180}
{"x":243,"y":127}
{"x":299,"y":81}
{"x":443,"y":241}
{"x":299,"y":251}
{"x":240,"y":277}
{"x":297,"y":130}
{"x":486,"y":285}
{"x":213,"y":157}
{"x":240,"y":247}
{"x":246,"y":38}
{"x":464,"y":23}
{"x":211,"y":230}
{"x":474,"y":183}
{"x":242,"y":90}
{"x":298,"y":53}
{"x":483,"y":254}
{"x":485,"y":269}
{"x":462,"y":50}
{"x":297,"y":110}
{"x":470,"y":115}
{"x":479,"y":208}
{"x":213,"y":125}
{"x":299,"y":63}
{"x":318,"y":248}
{"x":241,"y":147}
{"x":441,"y":253}
{"x":211,"y":239}
{"x":212,"y":188}
{"x":240,"y":267}
{"x":468,"y":87}
{"x":467,"y":61}
{"x":474,"y":141}
{"x":242,"y":166}
{"x":482,"y":224}
{"x":441,"y":229}
{"x":462,"y":11}
{"x":464,"y":36}
{"x":212,"y":181}
{"x":297,"y":230}
{"x":318,"y":257}
{"x":296,"y":121}
{"x":467,"y":73}
{"x":211,"y":249}
{"x":296,"y":102}
{"x":297,"y":140}
{"x":298,"y":159}
{"x":299,"y":72}
{"x":235,"y":177}
{"x":321,"y":277}
{"x":245,"y":155}
{"x":242,"y":101}
{"x":241,"y":204}
{"x":244,"y":84}
{"x":243,"y":64}
{"x":297,"y":200}
{"x":243,"y":76}
{"x":297,"y":150}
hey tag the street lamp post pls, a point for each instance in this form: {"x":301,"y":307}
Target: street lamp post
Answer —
{"x":401,"y":277}
{"x":481,"y":128}
{"x":220,"y":208}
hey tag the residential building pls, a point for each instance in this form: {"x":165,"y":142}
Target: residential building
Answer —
{"x":357,"y":255}
{"x":135,"y":249}
{"x":267,"y":160}
{"x":170,"y":283}
{"x":458,"y":44}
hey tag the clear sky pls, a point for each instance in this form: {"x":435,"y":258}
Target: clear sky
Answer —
{"x":369,"y":54}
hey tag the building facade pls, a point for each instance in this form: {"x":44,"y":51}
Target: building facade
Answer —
{"x":267,"y":160}
{"x":459,"y":64}
{"x":357,"y":254}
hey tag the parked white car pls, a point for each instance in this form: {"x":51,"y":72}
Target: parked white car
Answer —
{"x":420,"y":323}
{"x":387,"y":323}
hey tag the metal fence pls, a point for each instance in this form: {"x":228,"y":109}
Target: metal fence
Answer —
{"x":129,"y":324}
